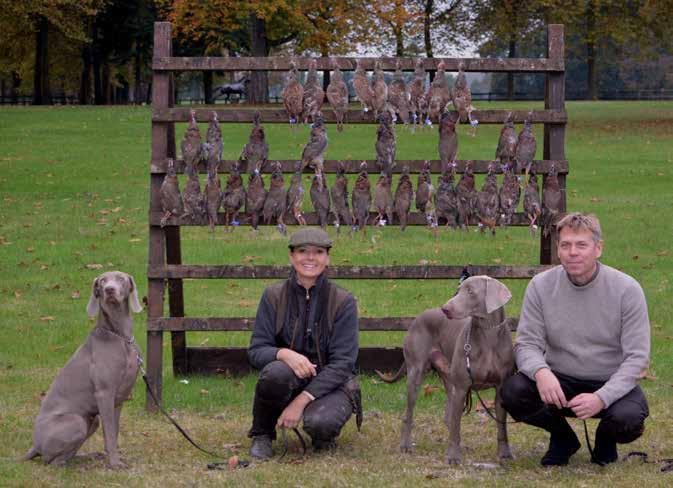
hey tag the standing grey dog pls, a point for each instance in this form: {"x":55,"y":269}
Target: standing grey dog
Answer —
{"x":437,"y":338}
{"x":95,"y":382}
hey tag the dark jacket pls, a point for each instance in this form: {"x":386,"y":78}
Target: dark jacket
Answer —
{"x":338,"y":350}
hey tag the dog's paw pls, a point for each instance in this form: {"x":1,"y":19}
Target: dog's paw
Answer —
{"x":406,"y":448}
{"x":117,"y":464}
{"x":504,"y":452}
{"x":454,"y":456}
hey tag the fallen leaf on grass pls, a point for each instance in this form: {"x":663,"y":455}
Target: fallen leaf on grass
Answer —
{"x":135,"y":240}
{"x":94,"y":266}
{"x":17,"y":294}
{"x":75,"y":295}
{"x":635,"y":257}
{"x":662,"y":253}
{"x":428,"y":390}
{"x":233,"y":445}
{"x":47,"y":318}
{"x":595,"y":199}
{"x":205,"y":392}
{"x":248,"y":259}
{"x":56,"y":287}
{"x":489,"y":404}
{"x":44,"y":267}
{"x":30,"y":249}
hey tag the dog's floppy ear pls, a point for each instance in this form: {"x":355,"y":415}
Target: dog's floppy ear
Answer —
{"x":92,"y":307}
{"x":133,"y":297}
{"x":497,"y":294}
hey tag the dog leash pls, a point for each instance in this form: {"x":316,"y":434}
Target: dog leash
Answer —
{"x":286,"y":444}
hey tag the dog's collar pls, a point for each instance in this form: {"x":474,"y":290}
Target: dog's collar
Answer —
{"x":128,"y":340}
{"x":487,"y":327}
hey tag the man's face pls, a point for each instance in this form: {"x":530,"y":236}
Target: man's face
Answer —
{"x":578,"y":253}
{"x":309,"y":262}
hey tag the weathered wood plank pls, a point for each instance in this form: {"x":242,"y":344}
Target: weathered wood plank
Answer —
{"x":415,"y":218}
{"x":353,"y":166}
{"x":554,"y":134}
{"x":385,"y":272}
{"x":517,"y":65}
{"x":234,"y":360}
{"x":246,"y":323}
{"x":353,"y":116}
{"x":161,"y":139}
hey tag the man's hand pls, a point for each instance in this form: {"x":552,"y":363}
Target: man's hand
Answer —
{"x":291,"y":416}
{"x":298,"y":363}
{"x":586,"y":405}
{"x":549,"y":388}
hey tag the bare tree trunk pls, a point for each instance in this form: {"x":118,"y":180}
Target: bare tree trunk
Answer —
{"x":41,"y":92}
{"x":16,"y":81}
{"x":399,"y":41}
{"x":97,"y":75}
{"x":208,"y":87}
{"x":136,"y":75}
{"x":106,"y":84}
{"x":510,"y":76}
{"x":591,"y":51}
{"x":259,"y":82}
{"x":85,"y":78}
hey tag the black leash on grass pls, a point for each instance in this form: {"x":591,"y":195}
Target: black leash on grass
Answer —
{"x":214,"y":465}
{"x":286,"y":444}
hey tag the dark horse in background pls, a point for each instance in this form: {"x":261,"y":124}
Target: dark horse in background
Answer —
{"x":226,"y":90}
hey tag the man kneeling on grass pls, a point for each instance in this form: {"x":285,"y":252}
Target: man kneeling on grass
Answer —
{"x":305,"y":341}
{"x":582,"y":344}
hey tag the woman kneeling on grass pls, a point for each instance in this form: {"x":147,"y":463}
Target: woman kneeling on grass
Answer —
{"x":305,"y":342}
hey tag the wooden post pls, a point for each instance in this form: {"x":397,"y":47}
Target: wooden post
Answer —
{"x":160,"y":145}
{"x":554,"y":133}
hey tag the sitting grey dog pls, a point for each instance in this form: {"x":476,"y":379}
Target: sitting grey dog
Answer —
{"x":98,"y":378}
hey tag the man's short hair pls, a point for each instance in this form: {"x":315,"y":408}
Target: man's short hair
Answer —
{"x":579,"y":221}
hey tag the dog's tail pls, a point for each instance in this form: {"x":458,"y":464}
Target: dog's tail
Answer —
{"x":394,"y":378}
{"x":32,"y":453}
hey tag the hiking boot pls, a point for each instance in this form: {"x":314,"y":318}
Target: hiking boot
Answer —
{"x":261,"y":447}
{"x":324,"y":444}
{"x":605,"y":451}
{"x":561,"y":447}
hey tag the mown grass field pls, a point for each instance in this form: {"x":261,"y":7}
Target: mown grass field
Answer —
{"x":73,"y":192}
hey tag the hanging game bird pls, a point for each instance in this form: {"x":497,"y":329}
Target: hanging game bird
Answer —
{"x":256,"y":151}
{"x":233,"y":197}
{"x":506,"y":150}
{"x":386,"y":143}
{"x":314,"y":151}
{"x":383,"y":201}
{"x":446,"y":199}
{"x":191,"y":143}
{"x":295,"y":195}
{"x":438,"y":95}
{"x":417,"y":91}
{"x":448,"y":139}
{"x":462,"y":97}
{"x":526,"y":146}
{"x":510,"y":193}
{"x":531,"y":200}
{"x":213,"y":197}
{"x":362,"y":88}
{"x":213,"y":144}
{"x":467,"y":197}
{"x":337,"y":95}
{"x":552,"y":200}
{"x":379,"y":90}
{"x":362,"y":198}
{"x":404,"y":194}
{"x":423,"y":187}
{"x":339,"y":194}
{"x":398,"y":95}
{"x":276,"y":199}
{"x":255,"y":197}
{"x":193,"y":201}
{"x":314,"y":96}
{"x":320,"y":198}
{"x":171,"y":200}
{"x":293,"y":95}
{"x":488,"y":201}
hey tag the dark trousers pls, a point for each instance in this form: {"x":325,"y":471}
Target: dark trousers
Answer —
{"x":621,"y":422}
{"x":278,"y":386}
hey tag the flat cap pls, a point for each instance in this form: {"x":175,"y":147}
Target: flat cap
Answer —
{"x":310,"y":237}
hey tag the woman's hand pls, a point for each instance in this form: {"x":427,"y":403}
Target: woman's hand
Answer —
{"x":298,"y":363}
{"x":291,"y":416}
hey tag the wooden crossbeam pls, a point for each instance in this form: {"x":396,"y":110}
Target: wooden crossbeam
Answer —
{"x":353,"y":166}
{"x":353,"y":116}
{"x":415,"y":218}
{"x":385,"y":272}
{"x":246,"y":323}
{"x":234,"y":360}
{"x":485,"y":65}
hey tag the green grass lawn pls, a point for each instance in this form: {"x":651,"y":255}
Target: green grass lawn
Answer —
{"x":74,"y":193}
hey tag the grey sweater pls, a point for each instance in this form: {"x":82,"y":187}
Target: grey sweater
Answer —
{"x":598,"y":331}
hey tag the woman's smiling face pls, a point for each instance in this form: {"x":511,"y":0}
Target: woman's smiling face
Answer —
{"x":309,"y":262}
